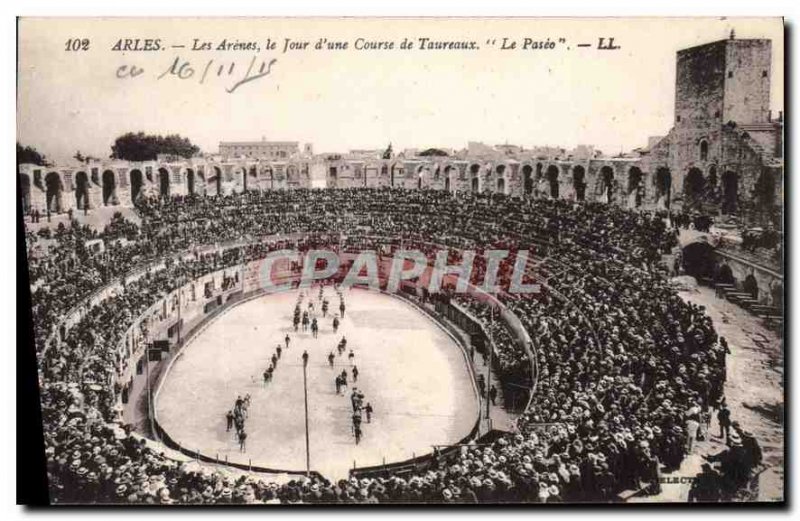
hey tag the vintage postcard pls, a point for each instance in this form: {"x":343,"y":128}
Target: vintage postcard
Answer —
{"x":404,"y":260}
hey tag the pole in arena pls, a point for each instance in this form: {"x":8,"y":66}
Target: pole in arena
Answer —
{"x":305,"y":399}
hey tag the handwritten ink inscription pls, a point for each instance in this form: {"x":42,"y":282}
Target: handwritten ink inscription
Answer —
{"x":184,"y":69}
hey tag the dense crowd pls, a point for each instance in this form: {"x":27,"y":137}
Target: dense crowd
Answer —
{"x":622,"y":364}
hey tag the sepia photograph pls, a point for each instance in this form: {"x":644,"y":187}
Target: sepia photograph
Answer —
{"x":413,"y":260}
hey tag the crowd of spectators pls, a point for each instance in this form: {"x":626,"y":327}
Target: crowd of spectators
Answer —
{"x":620,"y":359}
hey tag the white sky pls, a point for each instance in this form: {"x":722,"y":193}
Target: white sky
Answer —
{"x":343,"y":100}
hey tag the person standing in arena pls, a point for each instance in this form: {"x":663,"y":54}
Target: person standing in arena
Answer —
{"x":368,"y":411}
{"x":351,"y":357}
{"x":287,"y":340}
{"x":355,"y":374}
{"x":229,"y":418}
{"x":331,"y":358}
{"x":341,"y":308}
{"x":314,"y":328}
{"x":335,"y":324}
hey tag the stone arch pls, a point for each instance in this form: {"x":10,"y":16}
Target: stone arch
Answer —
{"x":607,"y":183}
{"x":475,"y":178}
{"x":579,"y":182}
{"x":693,"y":185}
{"x":252,"y":175}
{"x":450,"y":172}
{"x":269,"y":174}
{"x":634,"y":187}
{"x":216,"y":180}
{"x":81,"y":190}
{"x":25,"y":192}
{"x":712,"y":180}
{"x":663,"y":182}
{"x":54,"y":189}
{"x":163,"y":182}
{"x":527,"y":179}
{"x":552,"y":178}
{"x":190,"y":180}
{"x":730,"y":192}
{"x":476,"y":185}
{"x":501,"y":185}
{"x":703,"y":150}
{"x":137,"y":181}
{"x":422,"y":177}
{"x":109,"y":180}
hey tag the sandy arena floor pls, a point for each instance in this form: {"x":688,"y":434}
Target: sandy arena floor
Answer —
{"x":410,"y":370}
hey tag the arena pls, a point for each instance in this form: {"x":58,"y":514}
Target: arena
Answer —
{"x":416,"y":407}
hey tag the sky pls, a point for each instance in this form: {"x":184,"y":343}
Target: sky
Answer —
{"x":338,"y":100}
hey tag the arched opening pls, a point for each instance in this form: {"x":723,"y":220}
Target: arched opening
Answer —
{"x":163,"y":182}
{"x":81,"y":191}
{"x":136,"y":185}
{"x":216,"y":181}
{"x":693,"y":186}
{"x":190,"y":181}
{"x":395,"y":171}
{"x":765,"y":189}
{"x":634,"y":185}
{"x":501,"y":185}
{"x":53,"y":190}
{"x":663,"y":181}
{"x":269,"y":175}
{"x":750,"y":286}
{"x":421,"y":176}
{"x":704,"y":150}
{"x":579,"y":182}
{"x":730,"y":192}
{"x":449,"y":171}
{"x":527,"y":179}
{"x":607,"y":183}
{"x":474,"y":171}
{"x":552,"y":178}
{"x":698,"y":259}
{"x":109,"y":188}
{"x":291,"y":174}
{"x":25,"y":191}
{"x":712,"y":181}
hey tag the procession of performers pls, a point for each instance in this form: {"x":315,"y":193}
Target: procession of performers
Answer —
{"x":305,"y":318}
